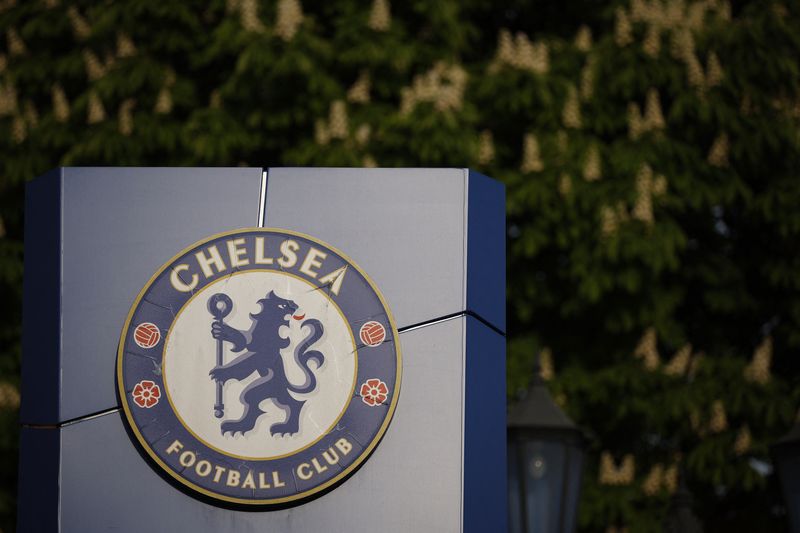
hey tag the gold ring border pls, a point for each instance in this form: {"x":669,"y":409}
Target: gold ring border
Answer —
{"x":272,"y":457}
{"x":285,"y":499}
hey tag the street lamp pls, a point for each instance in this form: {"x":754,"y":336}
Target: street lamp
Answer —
{"x":786,"y":454}
{"x":545,"y":460}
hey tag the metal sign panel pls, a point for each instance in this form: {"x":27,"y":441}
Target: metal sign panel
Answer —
{"x":432,"y":241}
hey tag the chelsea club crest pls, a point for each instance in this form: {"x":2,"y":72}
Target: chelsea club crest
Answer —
{"x":259,"y":366}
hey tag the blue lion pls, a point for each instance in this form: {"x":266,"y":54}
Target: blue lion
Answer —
{"x":263,"y":344}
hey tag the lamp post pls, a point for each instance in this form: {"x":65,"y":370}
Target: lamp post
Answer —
{"x":786,"y":454}
{"x":545,"y":460}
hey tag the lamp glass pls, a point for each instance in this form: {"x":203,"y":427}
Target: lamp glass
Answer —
{"x":544,"y":479}
{"x":574,"y":475}
{"x":544,"y":484}
{"x":515,"y":516}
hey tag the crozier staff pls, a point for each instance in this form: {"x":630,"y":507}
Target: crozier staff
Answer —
{"x":219,"y":305}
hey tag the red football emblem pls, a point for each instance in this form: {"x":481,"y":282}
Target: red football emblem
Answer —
{"x":146,"y":335}
{"x":372,"y":333}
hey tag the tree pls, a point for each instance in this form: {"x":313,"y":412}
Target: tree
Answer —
{"x":650,"y":150}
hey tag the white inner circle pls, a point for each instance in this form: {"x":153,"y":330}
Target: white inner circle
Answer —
{"x":191,"y":352}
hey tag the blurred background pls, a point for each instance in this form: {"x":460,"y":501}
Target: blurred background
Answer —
{"x":650,"y":151}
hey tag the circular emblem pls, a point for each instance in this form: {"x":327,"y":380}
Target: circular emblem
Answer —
{"x":278,"y":373}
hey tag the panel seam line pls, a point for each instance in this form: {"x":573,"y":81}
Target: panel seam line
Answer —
{"x":451,"y":316}
{"x":72,"y":421}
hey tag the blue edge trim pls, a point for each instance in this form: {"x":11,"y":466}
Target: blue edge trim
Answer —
{"x":41,"y":306}
{"x":485,"y":492}
{"x":485,"y":430}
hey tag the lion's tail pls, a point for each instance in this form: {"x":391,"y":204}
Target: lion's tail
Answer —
{"x":302,"y":356}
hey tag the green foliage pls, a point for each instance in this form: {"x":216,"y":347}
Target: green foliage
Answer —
{"x":652,"y":187}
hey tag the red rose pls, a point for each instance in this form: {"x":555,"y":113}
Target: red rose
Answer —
{"x":374,"y":392}
{"x":146,"y":394}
